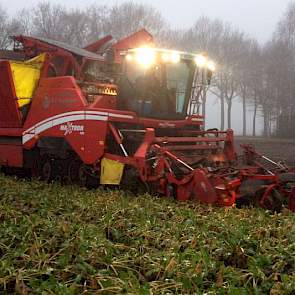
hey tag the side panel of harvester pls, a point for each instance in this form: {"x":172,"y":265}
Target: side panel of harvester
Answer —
{"x":10,"y":116}
{"x":59,"y":110}
{"x":10,"y":120}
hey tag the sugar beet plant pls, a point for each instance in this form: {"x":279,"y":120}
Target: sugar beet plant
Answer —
{"x":69,"y":240}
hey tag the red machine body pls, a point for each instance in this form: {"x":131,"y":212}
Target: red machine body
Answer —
{"x":74,"y":121}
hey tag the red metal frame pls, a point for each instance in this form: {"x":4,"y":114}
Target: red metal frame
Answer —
{"x":10,"y":116}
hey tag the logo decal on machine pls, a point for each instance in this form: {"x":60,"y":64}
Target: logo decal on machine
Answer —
{"x":65,"y":121}
{"x":69,"y":128}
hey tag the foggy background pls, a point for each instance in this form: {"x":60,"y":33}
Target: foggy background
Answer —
{"x":257,"y":19}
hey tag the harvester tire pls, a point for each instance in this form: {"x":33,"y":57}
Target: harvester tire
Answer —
{"x":82,"y":175}
{"x":73,"y":171}
{"x":47,"y":170}
{"x":274,"y":202}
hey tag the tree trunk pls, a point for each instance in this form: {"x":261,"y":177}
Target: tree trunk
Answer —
{"x":229,"y":106}
{"x":265,"y":122}
{"x":277,"y":125}
{"x":265,"y":125}
{"x":204,"y":100}
{"x":254,"y":119}
{"x":222,"y":112}
{"x":244,"y":114}
{"x":270,"y":125}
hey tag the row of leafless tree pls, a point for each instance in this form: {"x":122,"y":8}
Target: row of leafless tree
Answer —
{"x":80,"y":26}
{"x":261,"y":76}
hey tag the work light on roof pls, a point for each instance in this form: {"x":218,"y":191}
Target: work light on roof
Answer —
{"x":201,"y":60}
{"x":165,"y":57}
{"x":172,"y":57}
{"x":175,"y":57}
{"x":211,"y":66}
{"x":145,"y":56}
{"x":129,"y":57}
{"x":148,"y":56}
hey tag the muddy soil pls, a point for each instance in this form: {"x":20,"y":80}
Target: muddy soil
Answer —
{"x":276,"y":149}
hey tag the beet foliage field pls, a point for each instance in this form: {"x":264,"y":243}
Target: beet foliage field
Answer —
{"x":69,"y":240}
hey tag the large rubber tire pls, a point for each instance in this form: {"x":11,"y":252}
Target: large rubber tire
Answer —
{"x":131,"y":183}
{"x":251,"y":186}
{"x":36,"y":169}
{"x":47,"y":170}
{"x":248,"y":193}
{"x":274,"y":202}
{"x":73,"y":171}
{"x":82,"y":175}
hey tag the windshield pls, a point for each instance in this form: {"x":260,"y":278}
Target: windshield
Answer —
{"x":178,"y":78}
{"x":159,"y":91}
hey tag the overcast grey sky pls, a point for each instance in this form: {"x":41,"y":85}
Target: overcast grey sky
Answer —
{"x":256,"y":17}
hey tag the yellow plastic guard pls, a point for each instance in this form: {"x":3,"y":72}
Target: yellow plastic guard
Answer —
{"x":25,"y":77}
{"x":111,"y":172}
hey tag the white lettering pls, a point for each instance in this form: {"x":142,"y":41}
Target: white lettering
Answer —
{"x":69,"y":128}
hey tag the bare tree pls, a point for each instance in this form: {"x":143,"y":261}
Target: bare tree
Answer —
{"x":3,"y":28}
{"x":82,"y":26}
{"x":285,"y":30}
{"x":8,"y":27}
{"x":284,"y":40}
{"x":228,"y":55}
{"x":281,"y":73}
{"x":76,"y":27}
{"x":47,"y":20}
{"x":130,"y":17}
{"x":254,"y":80}
{"x":205,"y":36}
{"x":98,"y":19}
{"x":248,"y":78}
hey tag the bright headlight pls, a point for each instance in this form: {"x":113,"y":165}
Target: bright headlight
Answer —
{"x":211,"y":66}
{"x":175,"y":57}
{"x":129,"y":57}
{"x":201,"y":60}
{"x":145,"y":56}
{"x":165,"y":57}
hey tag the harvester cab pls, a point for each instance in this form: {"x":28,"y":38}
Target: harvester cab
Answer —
{"x":163,"y":84}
